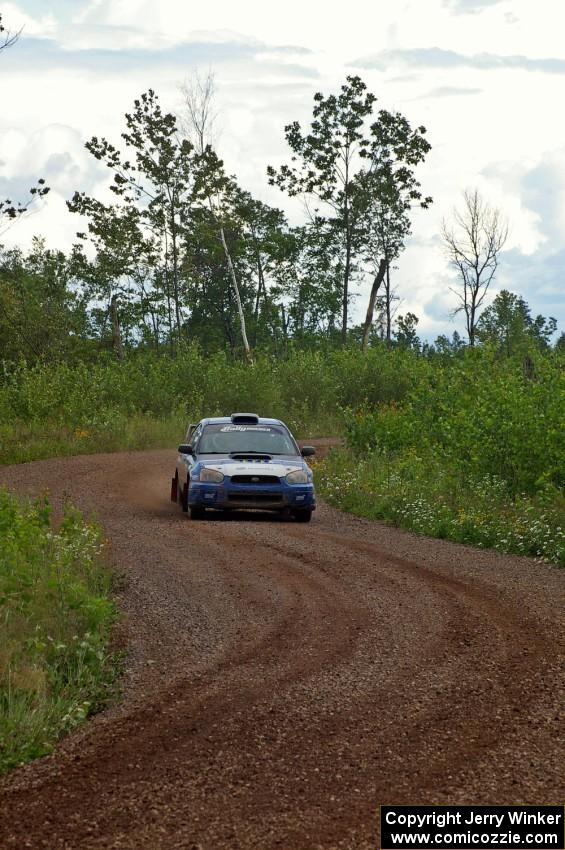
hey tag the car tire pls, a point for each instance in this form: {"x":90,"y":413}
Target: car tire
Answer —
{"x":196,"y":512}
{"x":175,"y":489}
{"x":302,"y":516}
{"x":184,"y":498}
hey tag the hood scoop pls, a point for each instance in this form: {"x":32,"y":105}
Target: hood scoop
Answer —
{"x":250,"y":456}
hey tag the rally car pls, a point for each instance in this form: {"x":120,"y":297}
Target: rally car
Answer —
{"x":243,"y":462}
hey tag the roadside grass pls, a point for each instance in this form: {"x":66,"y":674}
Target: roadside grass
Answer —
{"x":22,"y":441}
{"x":423,"y":494}
{"x":56,"y":617}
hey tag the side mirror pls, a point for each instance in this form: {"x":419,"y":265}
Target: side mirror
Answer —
{"x":307,"y":451}
{"x":185,"y":449}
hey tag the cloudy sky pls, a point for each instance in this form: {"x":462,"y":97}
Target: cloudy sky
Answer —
{"x":486,"y":77}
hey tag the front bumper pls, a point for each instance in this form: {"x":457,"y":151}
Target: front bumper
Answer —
{"x":269,"y":497}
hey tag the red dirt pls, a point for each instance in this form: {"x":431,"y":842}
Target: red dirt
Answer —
{"x":283,"y":680}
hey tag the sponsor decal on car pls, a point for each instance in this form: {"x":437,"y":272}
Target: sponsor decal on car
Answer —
{"x":245,"y":428}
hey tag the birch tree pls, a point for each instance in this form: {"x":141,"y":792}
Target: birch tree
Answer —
{"x":215,"y":187}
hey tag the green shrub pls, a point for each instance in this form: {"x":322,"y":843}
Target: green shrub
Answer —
{"x":482,"y":416}
{"x":55,"y":620}
{"x":53,"y":409}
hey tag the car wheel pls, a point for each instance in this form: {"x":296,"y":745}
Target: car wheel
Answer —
{"x":302,"y":516}
{"x":196,"y":512}
{"x":184,"y":498}
{"x":174,"y":488}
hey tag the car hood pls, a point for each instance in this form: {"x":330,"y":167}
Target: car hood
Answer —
{"x":280,"y":465}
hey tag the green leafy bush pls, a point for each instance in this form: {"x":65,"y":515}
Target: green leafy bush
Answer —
{"x":146,"y":401}
{"x":475,"y":452}
{"x":55,"y":620}
{"x":480,"y":415}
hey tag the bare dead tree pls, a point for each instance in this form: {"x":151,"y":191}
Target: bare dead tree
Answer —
{"x":198,"y":122}
{"x":473,"y":242}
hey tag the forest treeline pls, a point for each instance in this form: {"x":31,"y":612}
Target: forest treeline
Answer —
{"x":179,"y":253}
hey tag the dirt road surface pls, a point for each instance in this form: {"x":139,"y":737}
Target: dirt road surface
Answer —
{"x":283,"y":680}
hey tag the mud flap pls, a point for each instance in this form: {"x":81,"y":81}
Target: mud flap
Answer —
{"x":174,"y":489}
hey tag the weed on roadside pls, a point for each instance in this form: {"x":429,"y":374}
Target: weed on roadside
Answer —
{"x":56,"y":617}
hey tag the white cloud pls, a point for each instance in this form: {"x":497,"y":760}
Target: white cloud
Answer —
{"x":470,"y":6}
{"x":15,"y":19}
{"x":57,"y":154}
{"x":437,"y":57}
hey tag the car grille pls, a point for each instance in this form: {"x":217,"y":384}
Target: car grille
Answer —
{"x":258,"y":498}
{"x":255,"y":479}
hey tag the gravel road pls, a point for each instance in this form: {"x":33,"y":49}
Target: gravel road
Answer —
{"x":283,"y":680}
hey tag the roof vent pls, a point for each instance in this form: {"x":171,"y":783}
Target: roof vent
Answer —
{"x":244,"y":418}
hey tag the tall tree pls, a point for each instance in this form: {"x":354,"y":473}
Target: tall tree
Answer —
{"x":325,"y":161}
{"x":222,"y":194}
{"x":158,"y":183}
{"x":215,"y":187}
{"x":117,"y":276}
{"x":267,"y":244}
{"x":364,"y":175}
{"x":388,"y":191}
{"x":473,"y":242}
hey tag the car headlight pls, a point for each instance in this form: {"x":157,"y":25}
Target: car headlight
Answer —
{"x":299,"y":476}
{"x":212,"y":476}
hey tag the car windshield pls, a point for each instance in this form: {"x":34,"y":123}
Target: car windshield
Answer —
{"x":246,"y":439}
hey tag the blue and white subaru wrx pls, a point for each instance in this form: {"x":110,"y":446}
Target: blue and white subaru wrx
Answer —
{"x":243,"y":462}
